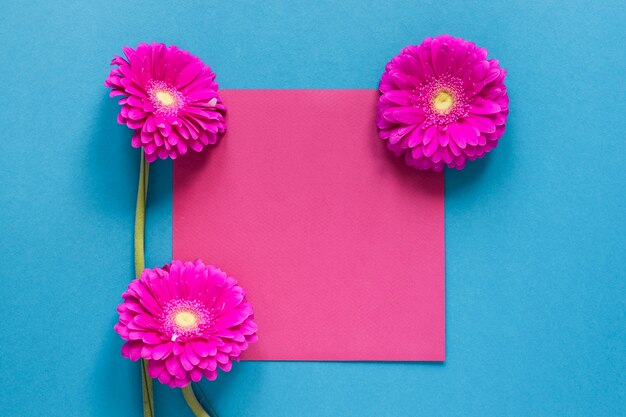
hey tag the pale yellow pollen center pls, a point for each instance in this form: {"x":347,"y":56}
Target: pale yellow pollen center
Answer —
{"x":186,"y":320}
{"x":442,"y":102}
{"x":165,"y":97}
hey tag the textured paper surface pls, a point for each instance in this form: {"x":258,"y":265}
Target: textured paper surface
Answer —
{"x":339,"y":245}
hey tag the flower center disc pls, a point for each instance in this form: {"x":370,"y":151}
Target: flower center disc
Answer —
{"x":442,"y":102}
{"x":186,"y":320}
{"x":165,"y":97}
{"x":166,"y":100}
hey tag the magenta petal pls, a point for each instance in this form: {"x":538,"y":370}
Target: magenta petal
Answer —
{"x":400,"y":97}
{"x":132,"y":350}
{"x":165,"y":130}
{"x":185,"y":362}
{"x":479,"y":71}
{"x":226,"y":367}
{"x":136,"y":114}
{"x":418,"y":152}
{"x":210,"y":375}
{"x":432,"y":146}
{"x":416,"y":137}
{"x":134,"y":124}
{"x":191,"y":354}
{"x":409,"y":115}
{"x":166,"y":378}
{"x":443,"y":138}
{"x":173,"y":365}
{"x":155,"y":368}
{"x":196,"y":145}
{"x":188,"y":74}
{"x":152,"y":339}
{"x":234,"y":318}
{"x":458,"y":135}
{"x":178,"y":348}
{"x":437,"y":156}
{"x":429,"y":134}
{"x":454,"y":148}
{"x":181,"y":382}
{"x":147,"y":321}
{"x":492,"y":75}
{"x":151,"y":157}
{"x":161,"y":351}
{"x":146,"y":351}
{"x":196,"y":375}
{"x":397,"y":134}
{"x":482,"y":106}
{"x":150,"y":124}
{"x":135,"y":101}
{"x":203,"y":348}
{"x":483,"y":124}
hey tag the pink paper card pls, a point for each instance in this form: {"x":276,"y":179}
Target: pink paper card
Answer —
{"x":339,"y":245}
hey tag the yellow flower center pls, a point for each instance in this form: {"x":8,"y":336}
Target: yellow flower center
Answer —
{"x":186,"y":319}
{"x":165,"y":97}
{"x":442,"y":102}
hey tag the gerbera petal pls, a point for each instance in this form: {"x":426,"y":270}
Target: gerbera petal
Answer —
{"x":483,"y":124}
{"x":226,"y":367}
{"x":155,"y":368}
{"x":401,"y":97}
{"x":196,"y":375}
{"x":165,"y":377}
{"x":174,"y":367}
{"x":132,"y":350}
{"x":186,"y":363}
{"x":443,"y":138}
{"x":147,"y":321}
{"x":188,"y":74}
{"x":416,"y":137}
{"x":191,"y":354}
{"x":210,"y":375}
{"x":203,"y":348}
{"x":431,"y":147}
{"x":409,"y":115}
{"x":458,"y":134}
{"x":429,"y":134}
{"x":482,"y":106}
{"x":161,"y":351}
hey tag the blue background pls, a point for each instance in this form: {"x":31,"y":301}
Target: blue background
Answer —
{"x":535,"y":232}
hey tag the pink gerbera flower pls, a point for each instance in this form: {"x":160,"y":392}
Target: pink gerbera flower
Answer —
{"x":442,"y":102}
{"x":187,"y":319}
{"x":170,"y":99}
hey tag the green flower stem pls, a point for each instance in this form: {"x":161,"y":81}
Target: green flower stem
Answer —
{"x":193,"y":402}
{"x":140,"y":216}
{"x":140,"y":222}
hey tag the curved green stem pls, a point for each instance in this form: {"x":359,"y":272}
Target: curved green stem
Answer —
{"x":193,"y":402}
{"x":140,"y":216}
{"x":140,"y":222}
{"x":211,"y":410}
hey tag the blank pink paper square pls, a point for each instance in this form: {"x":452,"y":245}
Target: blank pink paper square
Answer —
{"x":338,"y":244}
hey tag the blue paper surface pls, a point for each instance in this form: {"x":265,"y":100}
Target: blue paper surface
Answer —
{"x":535,"y":232}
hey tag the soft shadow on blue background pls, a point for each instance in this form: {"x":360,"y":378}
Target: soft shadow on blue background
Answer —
{"x":535,"y":233}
